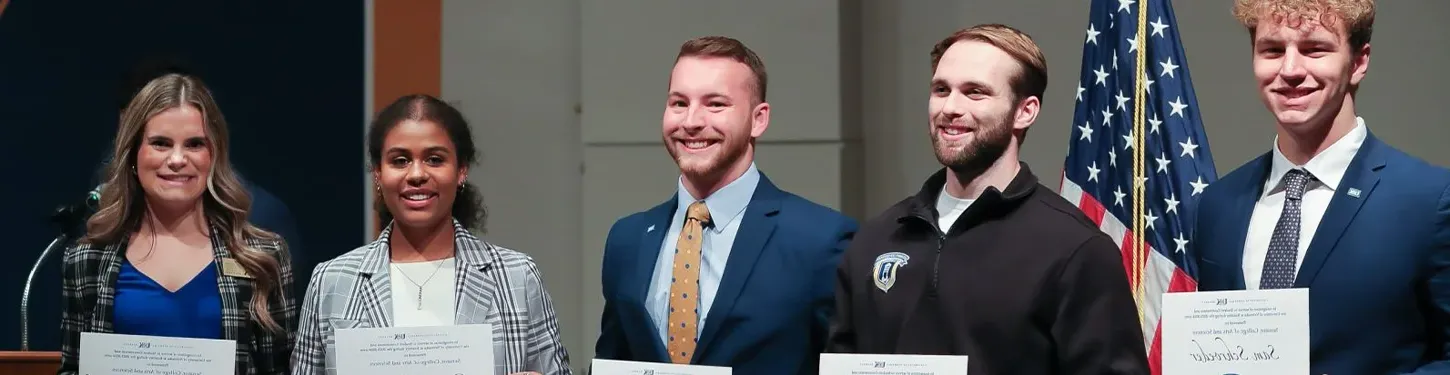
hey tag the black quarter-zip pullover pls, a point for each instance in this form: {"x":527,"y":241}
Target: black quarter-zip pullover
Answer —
{"x":1022,"y":283}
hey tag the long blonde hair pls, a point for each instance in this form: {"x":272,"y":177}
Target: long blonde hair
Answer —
{"x":122,"y":206}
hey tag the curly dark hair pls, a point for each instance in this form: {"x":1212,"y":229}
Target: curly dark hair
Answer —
{"x":468,"y":205}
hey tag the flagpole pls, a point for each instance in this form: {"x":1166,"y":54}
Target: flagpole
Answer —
{"x":1139,"y":196}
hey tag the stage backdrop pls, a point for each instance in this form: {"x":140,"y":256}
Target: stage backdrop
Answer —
{"x":289,"y":77}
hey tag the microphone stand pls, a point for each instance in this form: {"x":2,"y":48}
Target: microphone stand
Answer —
{"x":67,"y":217}
{"x":58,"y":242}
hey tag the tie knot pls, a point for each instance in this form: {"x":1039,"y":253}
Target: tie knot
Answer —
{"x":1295,"y":182}
{"x":699,"y":211}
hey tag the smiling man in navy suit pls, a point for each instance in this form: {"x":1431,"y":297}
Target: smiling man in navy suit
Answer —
{"x":1362,"y":225}
{"x":730,"y":271}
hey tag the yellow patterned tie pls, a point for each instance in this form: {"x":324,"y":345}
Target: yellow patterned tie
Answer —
{"x":685,"y":285}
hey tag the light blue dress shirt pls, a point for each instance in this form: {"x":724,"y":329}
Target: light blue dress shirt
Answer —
{"x":727,"y":206}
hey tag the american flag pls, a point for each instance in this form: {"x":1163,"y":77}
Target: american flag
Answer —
{"x":1153,"y":137}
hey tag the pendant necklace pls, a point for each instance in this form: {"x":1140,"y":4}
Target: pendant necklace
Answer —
{"x":425,"y":281}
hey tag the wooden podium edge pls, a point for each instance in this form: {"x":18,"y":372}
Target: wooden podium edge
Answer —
{"x":29,"y":356}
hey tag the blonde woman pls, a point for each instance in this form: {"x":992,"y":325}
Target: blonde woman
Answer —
{"x":170,"y":252}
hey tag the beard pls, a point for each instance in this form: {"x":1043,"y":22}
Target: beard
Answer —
{"x":987,"y":145}
{"x":712,"y":164}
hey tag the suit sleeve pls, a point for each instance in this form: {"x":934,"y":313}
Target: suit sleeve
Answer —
{"x":842,"y":334}
{"x":1096,"y":321}
{"x":547,"y":354}
{"x":832,"y":304}
{"x":1439,"y":289}
{"x":72,"y":316}
{"x":611,"y":343}
{"x":309,"y":352}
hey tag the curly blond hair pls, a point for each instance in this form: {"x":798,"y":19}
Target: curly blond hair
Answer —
{"x":1357,"y":16}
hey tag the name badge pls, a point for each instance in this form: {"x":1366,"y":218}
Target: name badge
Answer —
{"x":230,"y":267}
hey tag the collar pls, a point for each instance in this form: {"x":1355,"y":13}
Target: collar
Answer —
{"x":923,"y":204}
{"x":467,"y":248}
{"x":1328,"y":167}
{"x":725,"y":204}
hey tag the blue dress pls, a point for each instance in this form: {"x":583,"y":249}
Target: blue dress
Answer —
{"x":144,"y":307}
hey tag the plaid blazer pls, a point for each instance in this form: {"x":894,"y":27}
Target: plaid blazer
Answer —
{"x":493,"y":285}
{"x":88,"y":289}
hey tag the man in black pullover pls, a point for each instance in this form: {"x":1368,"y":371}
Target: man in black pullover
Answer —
{"x":985,"y":261}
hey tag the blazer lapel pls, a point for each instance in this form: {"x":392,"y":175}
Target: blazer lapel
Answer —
{"x":1237,"y":214}
{"x":372,"y":299}
{"x":475,"y":284}
{"x":756,"y":228}
{"x":1362,"y":176}
{"x":647,"y":253}
{"x":110,"y":270}
{"x":235,"y":298}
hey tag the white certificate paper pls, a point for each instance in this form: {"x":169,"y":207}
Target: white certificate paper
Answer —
{"x":108,"y":353}
{"x":616,"y":367}
{"x":892,"y":364}
{"x":454,"y":350}
{"x":1246,"y":332}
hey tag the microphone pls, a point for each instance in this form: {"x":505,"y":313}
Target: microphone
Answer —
{"x":68,"y":218}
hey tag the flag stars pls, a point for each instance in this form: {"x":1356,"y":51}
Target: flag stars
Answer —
{"x":1198,"y":185}
{"x":1188,"y":148}
{"x":1153,"y":123}
{"x":1168,"y":67}
{"x":1087,"y":132}
{"x":1133,"y":44}
{"x":1108,"y":116}
{"x":1181,"y":242}
{"x":1163,"y":162}
{"x":1093,"y":171}
{"x":1172,"y":203}
{"x":1123,"y":6}
{"x":1122,"y":101}
{"x":1148,"y":82}
{"x":1092,"y":35}
{"x":1118,"y":196}
{"x":1128,"y":140}
{"x":1158,"y":27}
{"x":1112,"y":157}
{"x":1079,"y":92}
{"x":1102,"y":76}
{"x":1149,"y":219}
{"x":1178,"y":106}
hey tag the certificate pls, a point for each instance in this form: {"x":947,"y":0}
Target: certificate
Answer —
{"x":614,"y":367}
{"x":1245,"y":332}
{"x":891,"y":364}
{"x":107,"y":353}
{"x":460,"y":349}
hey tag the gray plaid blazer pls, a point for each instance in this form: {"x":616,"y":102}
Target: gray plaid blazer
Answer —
{"x":88,"y":291}
{"x":494,"y":285}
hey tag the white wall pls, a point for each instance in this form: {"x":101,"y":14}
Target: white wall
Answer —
{"x":512,"y":67}
{"x":848,"y":85}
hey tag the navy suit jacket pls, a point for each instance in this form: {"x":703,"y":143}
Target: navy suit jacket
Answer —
{"x":1377,"y":269}
{"x":775,"y":300}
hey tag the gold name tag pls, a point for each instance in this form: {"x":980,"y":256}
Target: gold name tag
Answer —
{"x":230,"y":267}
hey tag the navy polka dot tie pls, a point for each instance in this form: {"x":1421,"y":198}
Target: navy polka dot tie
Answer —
{"x":1281,"y":262}
{"x":685,"y":286}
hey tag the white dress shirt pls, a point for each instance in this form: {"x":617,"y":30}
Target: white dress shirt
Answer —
{"x":1326,"y":169}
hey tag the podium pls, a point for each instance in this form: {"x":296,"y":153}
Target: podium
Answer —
{"x":29,"y":363}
